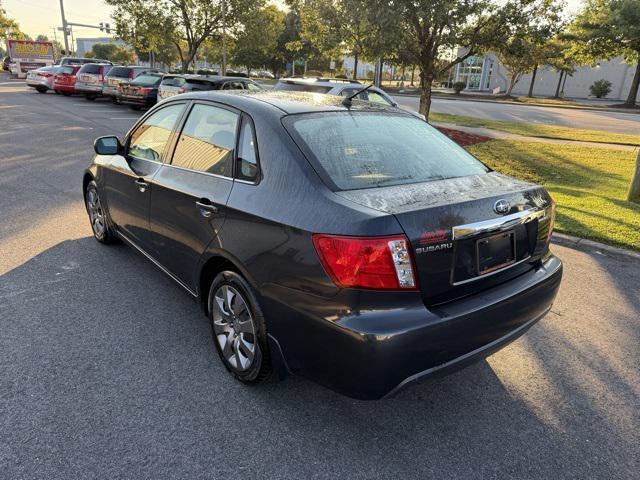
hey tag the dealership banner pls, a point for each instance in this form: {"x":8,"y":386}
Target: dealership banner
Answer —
{"x":28,"y":51}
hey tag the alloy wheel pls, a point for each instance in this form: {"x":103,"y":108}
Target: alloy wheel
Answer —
{"x":96,"y":214}
{"x":234,"y":328}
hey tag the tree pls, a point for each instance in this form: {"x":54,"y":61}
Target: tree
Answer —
{"x":187,"y":23}
{"x":9,"y":28}
{"x":634,"y":188}
{"x":427,"y":28}
{"x":606,"y":29}
{"x":562,"y":59}
{"x":257,"y":44}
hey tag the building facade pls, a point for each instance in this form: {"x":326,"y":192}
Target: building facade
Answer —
{"x":486,"y":74}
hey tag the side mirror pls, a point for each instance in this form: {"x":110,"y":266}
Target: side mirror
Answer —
{"x":109,"y":145}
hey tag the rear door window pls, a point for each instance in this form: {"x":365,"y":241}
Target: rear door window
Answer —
{"x":353,"y":150}
{"x":207,"y":141}
{"x":234,"y":85}
{"x":150,"y":139}
{"x":120,"y":72}
{"x":247,"y":168}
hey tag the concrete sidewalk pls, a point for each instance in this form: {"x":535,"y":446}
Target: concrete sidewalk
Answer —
{"x":497,"y":134}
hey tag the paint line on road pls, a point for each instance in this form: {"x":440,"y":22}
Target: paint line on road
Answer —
{"x":124,"y":118}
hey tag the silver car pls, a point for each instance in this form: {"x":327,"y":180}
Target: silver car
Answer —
{"x":42,"y":78}
{"x":90,"y":79}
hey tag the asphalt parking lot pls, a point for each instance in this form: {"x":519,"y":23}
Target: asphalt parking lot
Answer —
{"x":108,"y":369}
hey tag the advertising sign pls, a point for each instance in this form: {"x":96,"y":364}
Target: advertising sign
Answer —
{"x":28,"y":55}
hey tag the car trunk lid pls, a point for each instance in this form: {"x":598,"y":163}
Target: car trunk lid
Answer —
{"x":460,"y":243}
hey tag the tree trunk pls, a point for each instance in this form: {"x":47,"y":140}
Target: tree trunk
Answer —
{"x":426,"y":81}
{"x":634,"y":188}
{"x":557,"y":95}
{"x":355,"y":65}
{"x":512,"y":83}
{"x":533,"y":80}
{"x":413,"y":72}
{"x":633,"y":93}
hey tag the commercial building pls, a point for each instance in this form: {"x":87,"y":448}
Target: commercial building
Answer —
{"x":486,"y":74}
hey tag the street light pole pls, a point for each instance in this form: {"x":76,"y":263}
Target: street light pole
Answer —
{"x":224,"y":38}
{"x":64,"y":28}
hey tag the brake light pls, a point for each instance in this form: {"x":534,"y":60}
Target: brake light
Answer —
{"x":551,"y":212}
{"x":144,"y":90}
{"x":181,"y":90}
{"x":131,"y":74}
{"x":381,"y":263}
{"x":44,"y":74}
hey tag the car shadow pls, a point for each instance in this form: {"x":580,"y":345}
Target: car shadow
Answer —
{"x":111,"y":366}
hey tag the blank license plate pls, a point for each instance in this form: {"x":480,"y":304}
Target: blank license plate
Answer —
{"x":495,"y":252}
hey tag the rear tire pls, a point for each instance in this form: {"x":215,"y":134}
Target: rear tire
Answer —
{"x":66,"y":94}
{"x":239,"y":329}
{"x":91,"y":98}
{"x":41,"y":89}
{"x":98,"y":217}
{"x":135,"y":107}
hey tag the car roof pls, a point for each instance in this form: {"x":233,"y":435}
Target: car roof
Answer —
{"x":319,"y":81}
{"x":210,"y":78}
{"x":287,"y":102}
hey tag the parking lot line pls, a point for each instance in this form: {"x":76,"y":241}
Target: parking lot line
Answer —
{"x":124,"y":118}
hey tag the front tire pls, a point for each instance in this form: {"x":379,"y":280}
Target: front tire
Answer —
{"x":239,"y":329}
{"x":100,"y":224}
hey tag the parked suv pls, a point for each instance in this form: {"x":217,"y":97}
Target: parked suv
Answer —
{"x":175,"y":84}
{"x":335,"y":86}
{"x":119,"y":74}
{"x":90,"y":79}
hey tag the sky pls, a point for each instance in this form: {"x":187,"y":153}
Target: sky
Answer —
{"x":42,"y":16}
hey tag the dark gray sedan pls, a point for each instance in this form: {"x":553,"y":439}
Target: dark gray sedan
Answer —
{"x":347,"y":242}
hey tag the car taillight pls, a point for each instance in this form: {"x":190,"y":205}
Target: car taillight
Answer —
{"x":550,"y":211}
{"x":130,"y":74}
{"x":144,"y":90}
{"x":381,"y":263}
{"x":44,"y":74}
{"x":181,"y":90}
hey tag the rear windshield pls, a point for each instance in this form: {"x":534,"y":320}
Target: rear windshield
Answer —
{"x":173,"y":81}
{"x":68,"y":70}
{"x":120,"y":72}
{"x":370,"y":149}
{"x":300,"y":87}
{"x":94,"y":68}
{"x":146,"y":80}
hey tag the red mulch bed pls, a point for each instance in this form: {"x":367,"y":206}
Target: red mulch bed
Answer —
{"x":463,"y":138}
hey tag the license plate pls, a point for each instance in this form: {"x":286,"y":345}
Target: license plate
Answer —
{"x":495,"y":252}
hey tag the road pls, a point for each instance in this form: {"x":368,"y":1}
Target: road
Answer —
{"x":588,"y":119}
{"x":108,"y":368}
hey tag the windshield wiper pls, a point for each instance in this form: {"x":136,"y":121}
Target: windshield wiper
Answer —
{"x":348,"y":100}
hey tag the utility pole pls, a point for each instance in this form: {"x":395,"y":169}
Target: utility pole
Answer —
{"x":64,"y":28}
{"x":224,"y":38}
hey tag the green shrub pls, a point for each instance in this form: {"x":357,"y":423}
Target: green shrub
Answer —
{"x":600,"y":88}
{"x":459,"y":86}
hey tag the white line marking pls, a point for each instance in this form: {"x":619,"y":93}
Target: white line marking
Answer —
{"x":124,"y":118}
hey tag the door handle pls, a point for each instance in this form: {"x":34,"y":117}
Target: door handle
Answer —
{"x":205,"y":207}
{"x":142,"y":185}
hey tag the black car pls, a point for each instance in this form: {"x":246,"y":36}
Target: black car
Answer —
{"x":183,"y":83}
{"x":346,"y":242}
{"x":120,"y":74}
{"x":140,"y":92}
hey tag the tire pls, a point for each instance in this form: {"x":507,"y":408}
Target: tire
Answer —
{"x":91,"y":98}
{"x":98,"y":218}
{"x":115,"y":100}
{"x":57,"y":92}
{"x":135,"y":107}
{"x":239,"y":327}
{"x":41,"y":89}
{"x":66,"y":94}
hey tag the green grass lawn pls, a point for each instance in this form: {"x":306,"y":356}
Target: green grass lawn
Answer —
{"x":538,"y":130}
{"x":588,"y":184}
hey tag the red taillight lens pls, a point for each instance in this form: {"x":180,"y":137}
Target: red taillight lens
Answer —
{"x":181,"y":90}
{"x":381,"y":263}
{"x":144,"y":90}
{"x":551,"y":212}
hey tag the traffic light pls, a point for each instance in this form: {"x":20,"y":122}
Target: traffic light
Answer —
{"x":101,"y":26}
{"x":107,"y":28}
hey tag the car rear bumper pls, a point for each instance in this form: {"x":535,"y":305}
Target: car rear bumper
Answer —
{"x":64,"y":88}
{"x":88,"y":88}
{"x":38,"y":82}
{"x":369,"y":345}
{"x":129,"y":100}
{"x":110,"y":91}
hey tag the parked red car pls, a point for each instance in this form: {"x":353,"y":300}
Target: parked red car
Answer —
{"x":64,"y":81}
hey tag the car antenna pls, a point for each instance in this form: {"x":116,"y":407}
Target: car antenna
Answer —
{"x":348,"y":100}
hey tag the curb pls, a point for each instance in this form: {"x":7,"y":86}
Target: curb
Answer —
{"x":590,"y":246}
{"x":628,"y":111}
